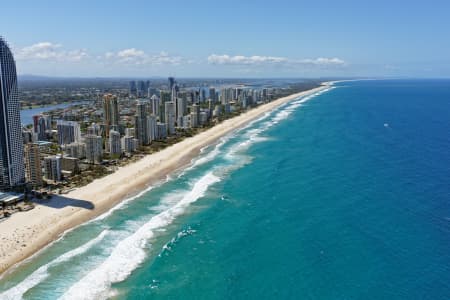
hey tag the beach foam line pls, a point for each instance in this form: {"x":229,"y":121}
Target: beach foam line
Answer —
{"x":121,"y":205}
{"x":41,"y":273}
{"x":129,"y":253}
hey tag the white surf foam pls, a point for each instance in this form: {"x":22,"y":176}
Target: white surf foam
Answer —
{"x":129,"y":253}
{"x":41,"y":274}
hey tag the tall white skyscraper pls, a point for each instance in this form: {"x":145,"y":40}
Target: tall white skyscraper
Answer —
{"x":181,"y":110}
{"x":12,"y":171}
{"x":114,"y":143}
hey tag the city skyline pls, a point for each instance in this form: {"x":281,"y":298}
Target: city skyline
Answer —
{"x":203,"y":39}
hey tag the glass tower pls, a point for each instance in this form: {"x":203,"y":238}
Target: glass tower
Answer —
{"x":12,"y":170}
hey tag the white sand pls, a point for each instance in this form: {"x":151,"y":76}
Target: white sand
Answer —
{"x":24,"y":233}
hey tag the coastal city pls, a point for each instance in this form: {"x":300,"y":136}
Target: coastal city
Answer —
{"x":107,"y":124}
{"x":224,"y":150}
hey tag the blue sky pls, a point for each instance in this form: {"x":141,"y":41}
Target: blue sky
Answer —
{"x":229,"y":38}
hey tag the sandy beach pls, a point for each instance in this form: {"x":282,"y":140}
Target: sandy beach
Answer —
{"x":25,"y":233}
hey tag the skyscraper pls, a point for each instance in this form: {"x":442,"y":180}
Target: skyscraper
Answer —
{"x":68,"y":132}
{"x":181,"y":109}
{"x":164,"y":97}
{"x":155,"y":105}
{"x":133,"y":89}
{"x":170,"y":117}
{"x":141,"y":88}
{"x":33,"y":164}
{"x":114,"y":143}
{"x":52,"y":168}
{"x":171,"y":83}
{"x":94,"y":148}
{"x":12,"y":171}
{"x":140,"y":125}
{"x":110,"y":112}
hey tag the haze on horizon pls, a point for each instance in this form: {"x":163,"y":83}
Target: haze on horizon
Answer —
{"x":228,"y":38}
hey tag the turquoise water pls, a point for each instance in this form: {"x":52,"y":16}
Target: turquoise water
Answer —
{"x":343,"y":195}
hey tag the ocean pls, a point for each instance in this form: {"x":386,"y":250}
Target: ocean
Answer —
{"x":340,"y":195}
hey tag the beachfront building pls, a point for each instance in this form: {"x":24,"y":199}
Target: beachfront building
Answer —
{"x":52,"y":168}
{"x":181,"y":109}
{"x":195,"y":115}
{"x":110,"y":112}
{"x":114,"y":143}
{"x":12,"y":171}
{"x":94,"y":149}
{"x":70,"y":165}
{"x":161,"y":131}
{"x":129,"y":144}
{"x":33,"y":164}
{"x":68,"y":132}
{"x":170,"y":117}
{"x":151,"y":128}
{"x":140,"y":122}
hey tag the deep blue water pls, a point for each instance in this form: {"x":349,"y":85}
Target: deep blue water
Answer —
{"x":341,"y":196}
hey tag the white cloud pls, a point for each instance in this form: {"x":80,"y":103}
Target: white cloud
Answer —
{"x":50,"y":51}
{"x":272,"y":60}
{"x":244,"y":60}
{"x":133,"y":56}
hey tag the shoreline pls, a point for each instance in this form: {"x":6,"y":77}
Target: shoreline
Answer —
{"x":26,"y":233}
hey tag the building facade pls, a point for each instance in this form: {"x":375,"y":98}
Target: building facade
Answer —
{"x":68,"y":132}
{"x":33,"y":164}
{"x":94,"y":149}
{"x":12,"y":171}
{"x":110,"y":112}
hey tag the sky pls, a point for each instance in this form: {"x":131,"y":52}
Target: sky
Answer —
{"x":230,"y":38}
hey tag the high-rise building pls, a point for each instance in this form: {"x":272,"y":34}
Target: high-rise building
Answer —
{"x":94,"y":129}
{"x":94,"y":149}
{"x":161,"y":131}
{"x":114,"y":143}
{"x":12,"y":171}
{"x":170,"y":117}
{"x":133,"y":89}
{"x":110,"y":112}
{"x":128,"y":144}
{"x":141,"y":88}
{"x":202,"y":95}
{"x":33,"y":164}
{"x":164,"y":97}
{"x":155,"y":105}
{"x":68,"y":132}
{"x":212,"y":94}
{"x":181,"y":110}
{"x":76,"y":150}
{"x":151,"y":128}
{"x":140,"y":122}
{"x":195,"y":115}
{"x":52,"y":168}
{"x":171,"y":83}
{"x":40,"y":127}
